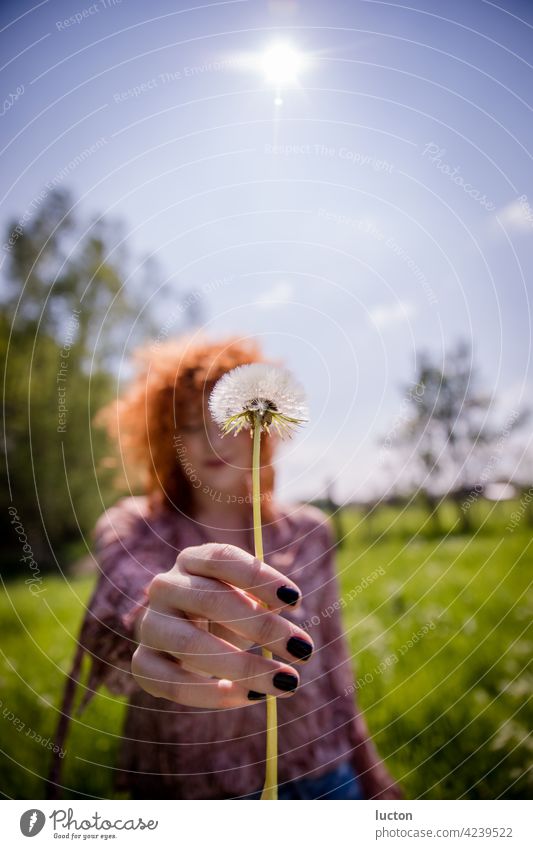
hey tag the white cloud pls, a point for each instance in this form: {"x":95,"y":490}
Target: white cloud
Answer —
{"x":512,"y":396}
{"x":517,"y":215}
{"x":280,"y":293}
{"x":386,"y":314}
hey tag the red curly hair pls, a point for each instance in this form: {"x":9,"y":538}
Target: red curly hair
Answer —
{"x":174,"y":380}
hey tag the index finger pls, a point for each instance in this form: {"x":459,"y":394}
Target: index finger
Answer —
{"x":235,"y":566}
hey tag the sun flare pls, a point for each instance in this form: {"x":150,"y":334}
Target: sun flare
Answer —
{"x":281,"y":64}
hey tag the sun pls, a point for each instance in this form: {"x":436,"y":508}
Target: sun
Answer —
{"x":281,"y":63}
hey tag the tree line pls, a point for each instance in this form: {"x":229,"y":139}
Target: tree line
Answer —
{"x":73,"y":304}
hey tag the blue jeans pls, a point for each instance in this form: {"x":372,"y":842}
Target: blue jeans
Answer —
{"x":340,"y":783}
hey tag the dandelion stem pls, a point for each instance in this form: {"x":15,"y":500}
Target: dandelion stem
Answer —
{"x":270,"y":790}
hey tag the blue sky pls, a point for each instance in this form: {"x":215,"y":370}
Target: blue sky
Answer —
{"x":383,"y":208}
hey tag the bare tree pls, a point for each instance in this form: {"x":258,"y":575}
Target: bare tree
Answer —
{"x":452,"y":446}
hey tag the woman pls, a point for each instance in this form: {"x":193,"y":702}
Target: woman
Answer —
{"x":177,"y":619}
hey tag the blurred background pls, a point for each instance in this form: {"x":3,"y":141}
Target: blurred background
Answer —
{"x":351,"y":183}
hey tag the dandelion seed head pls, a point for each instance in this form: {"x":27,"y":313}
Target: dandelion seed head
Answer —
{"x":258,"y":392}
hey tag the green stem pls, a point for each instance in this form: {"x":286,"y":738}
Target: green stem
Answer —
{"x":270,"y":790}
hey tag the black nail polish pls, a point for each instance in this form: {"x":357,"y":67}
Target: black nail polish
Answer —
{"x":299,"y":648}
{"x":254,"y":696}
{"x":286,"y":682}
{"x":288,"y":595}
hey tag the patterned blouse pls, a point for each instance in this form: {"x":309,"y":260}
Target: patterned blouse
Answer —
{"x":170,"y":750}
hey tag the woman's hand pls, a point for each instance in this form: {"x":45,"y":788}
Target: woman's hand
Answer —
{"x":202,"y":617}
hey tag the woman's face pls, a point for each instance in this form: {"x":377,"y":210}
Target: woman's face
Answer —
{"x":215,"y":463}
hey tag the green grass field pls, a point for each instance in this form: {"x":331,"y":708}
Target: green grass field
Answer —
{"x":439,"y":627}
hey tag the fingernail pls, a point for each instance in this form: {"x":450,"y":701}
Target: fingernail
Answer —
{"x":288,"y":595}
{"x":254,"y":696}
{"x":284,"y":681}
{"x":299,"y":648}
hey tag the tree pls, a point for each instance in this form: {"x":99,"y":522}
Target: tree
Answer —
{"x":66,"y":318}
{"x":452,"y":447}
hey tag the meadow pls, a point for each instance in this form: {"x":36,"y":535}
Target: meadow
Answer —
{"x":439,"y":627}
